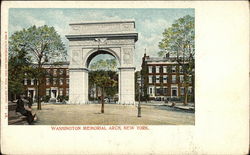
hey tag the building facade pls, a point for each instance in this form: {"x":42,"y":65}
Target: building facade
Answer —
{"x":55,"y":83}
{"x":163,"y":79}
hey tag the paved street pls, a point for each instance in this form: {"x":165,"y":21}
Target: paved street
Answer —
{"x":89,"y":114}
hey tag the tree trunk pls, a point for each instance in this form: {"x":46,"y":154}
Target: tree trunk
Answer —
{"x":186,"y":97}
{"x":193,"y":86}
{"x":102,"y":100}
{"x":96,"y":92}
{"x":39,"y":106}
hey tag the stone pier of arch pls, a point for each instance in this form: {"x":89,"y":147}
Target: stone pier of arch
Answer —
{"x":92,"y":38}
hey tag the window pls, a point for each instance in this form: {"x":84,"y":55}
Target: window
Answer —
{"x":165,"y":78}
{"x":165,"y":91}
{"x":158,"y":91}
{"x":149,"y":69}
{"x":157,"y":79}
{"x":61,"y":91}
{"x":173,"y":78}
{"x":47,"y":91}
{"x":151,"y":91}
{"x":174,"y":91}
{"x":181,"y":78}
{"x":182,"y":90}
{"x":67,"y":72}
{"x":153,"y":69}
{"x":181,"y":69}
{"x":61,"y":81}
{"x":61,"y":71}
{"x":48,"y":71}
{"x":165,"y":69}
{"x":190,"y":90}
{"x":25,"y":82}
{"x":67,"y":91}
{"x":157,"y":69}
{"x":32,"y":82}
{"x":67,"y":81}
{"x":35,"y":82}
{"x":190,"y":78}
{"x":150,"y":79}
{"x":47,"y":81}
{"x":54,"y":81}
{"x":55,"y":72}
{"x":173,"y":69}
{"x":154,"y":79}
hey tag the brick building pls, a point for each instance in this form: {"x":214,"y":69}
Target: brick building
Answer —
{"x":162,"y":78}
{"x":55,"y":82}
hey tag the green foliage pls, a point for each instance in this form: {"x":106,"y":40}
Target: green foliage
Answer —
{"x":42,"y":44}
{"x":109,"y":64}
{"x":179,"y":38}
{"x":16,"y":72}
{"x":46,"y":98}
{"x":62,"y":98}
{"x":179,"y":41}
{"x":106,"y":80}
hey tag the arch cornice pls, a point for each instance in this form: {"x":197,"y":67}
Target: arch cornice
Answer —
{"x":110,"y":36}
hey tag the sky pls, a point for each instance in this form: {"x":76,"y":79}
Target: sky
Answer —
{"x":150,"y":23}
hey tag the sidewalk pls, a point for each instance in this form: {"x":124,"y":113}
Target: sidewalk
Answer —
{"x":189,"y":107}
{"x":178,"y":105}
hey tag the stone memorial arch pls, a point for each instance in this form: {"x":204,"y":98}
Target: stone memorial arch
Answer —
{"x":88,"y":39}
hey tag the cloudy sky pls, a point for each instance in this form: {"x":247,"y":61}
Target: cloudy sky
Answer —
{"x":150,"y":23}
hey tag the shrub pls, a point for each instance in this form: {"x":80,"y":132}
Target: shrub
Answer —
{"x":46,"y":98}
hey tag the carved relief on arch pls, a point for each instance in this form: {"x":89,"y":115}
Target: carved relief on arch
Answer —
{"x":76,"y":56}
{"x":75,"y":28}
{"x":127,"y":56}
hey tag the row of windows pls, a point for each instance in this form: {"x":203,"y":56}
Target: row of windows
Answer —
{"x":164,"y":69}
{"x":55,"y":81}
{"x":49,"y":91}
{"x":164,"y":91}
{"x":164,"y":79}
{"x":30,"y":82}
{"x":58,"y":71}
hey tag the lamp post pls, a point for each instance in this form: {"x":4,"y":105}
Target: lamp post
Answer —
{"x":139,"y":104}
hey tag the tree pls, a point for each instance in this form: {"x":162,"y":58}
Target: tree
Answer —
{"x":42,"y":44}
{"x":18,"y":62}
{"x":179,"y":41}
{"x":100,"y":67}
{"x":103,"y":80}
{"x":111,"y":90}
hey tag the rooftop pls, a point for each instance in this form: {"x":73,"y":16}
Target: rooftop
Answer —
{"x":160,"y":59}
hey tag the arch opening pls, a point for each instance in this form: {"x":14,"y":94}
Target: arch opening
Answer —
{"x":92,"y":54}
{"x":102,"y":64}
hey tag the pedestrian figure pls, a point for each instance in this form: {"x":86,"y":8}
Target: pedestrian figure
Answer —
{"x":24,"y":109}
{"x":30,"y":101}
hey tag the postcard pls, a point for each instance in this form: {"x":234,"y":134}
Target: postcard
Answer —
{"x":124,"y":77}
